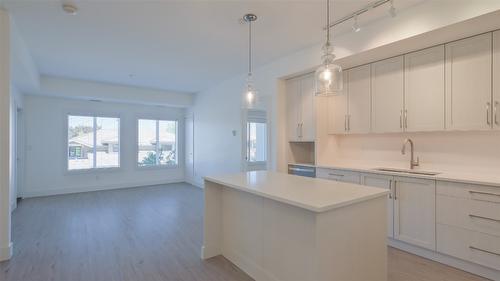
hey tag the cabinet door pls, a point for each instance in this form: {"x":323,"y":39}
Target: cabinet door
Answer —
{"x":496,"y":81}
{"x":386,"y":182}
{"x":424,"y":90}
{"x":293,"y":102}
{"x":387,"y":95}
{"x":337,"y":110}
{"x":414,"y":211}
{"x":468,"y":83}
{"x":307,"y":122}
{"x":359,"y":100}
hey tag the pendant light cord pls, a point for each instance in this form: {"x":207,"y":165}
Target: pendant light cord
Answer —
{"x":328,"y":22}
{"x":250,"y":48}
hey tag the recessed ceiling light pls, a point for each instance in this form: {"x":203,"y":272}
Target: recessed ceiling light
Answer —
{"x":69,"y":9}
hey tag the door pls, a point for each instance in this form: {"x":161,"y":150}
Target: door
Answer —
{"x":496,"y":82}
{"x":293,"y":114}
{"x":424,"y":90}
{"x":189,"y":121}
{"x":387,"y":183}
{"x":337,"y":110}
{"x":359,"y":100}
{"x":387,"y":95}
{"x":414,"y":211}
{"x":307,"y":120}
{"x":468,"y":83}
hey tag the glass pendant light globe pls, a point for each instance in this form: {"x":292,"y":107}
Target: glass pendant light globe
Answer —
{"x":329,"y":78}
{"x":250,"y":95}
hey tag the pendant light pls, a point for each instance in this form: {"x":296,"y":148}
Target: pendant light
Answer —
{"x":328,"y":76}
{"x":250,"y":94}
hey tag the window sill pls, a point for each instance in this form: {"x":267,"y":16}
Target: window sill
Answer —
{"x":157,"y":167}
{"x":93,"y":171}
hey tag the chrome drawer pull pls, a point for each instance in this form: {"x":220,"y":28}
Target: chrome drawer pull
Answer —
{"x":481,"y":192}
{"x":335,"y":175}
{"x":482,"y":250}
{"x":484,"y":218}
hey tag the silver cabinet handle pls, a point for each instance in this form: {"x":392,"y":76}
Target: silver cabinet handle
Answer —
{"x":495,"y":118}
{"x":390,"y":189}
{"x":349,"y":122}
{"x":484,"y":218}
{"x":488,"y":105}
{"x":401,"y":119}
{"x":301,"y":130}
{"x":298,"y":130}
{"x":406,"y":118}
{"x":335,"y":175}
{"x":482,"y":250}
{"x":485,"y":193}
{"x":395,"y":191}
{"x":345,"y":122}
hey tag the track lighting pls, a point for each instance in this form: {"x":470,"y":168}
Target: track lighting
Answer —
{"x":355,"y":26}
{"x":392,"y":10}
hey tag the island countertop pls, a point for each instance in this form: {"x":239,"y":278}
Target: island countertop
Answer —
{"x":317,"y":195}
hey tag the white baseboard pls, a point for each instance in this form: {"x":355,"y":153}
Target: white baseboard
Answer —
{"x":193,"y":182}
{"x":6,"y":252}
{"x":59,"y":191}
{"x":448,"y":260}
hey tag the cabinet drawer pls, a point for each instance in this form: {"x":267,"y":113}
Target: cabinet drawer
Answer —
{"x":471,"y":214}
{"x":469,"y":191}
{"x":469,"y":245}
{"x":338,"y":175}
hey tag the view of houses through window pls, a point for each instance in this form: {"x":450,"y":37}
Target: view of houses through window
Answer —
{"x":256,"y":142}
{"x":93,"y":142}
{"x":157,"y":142}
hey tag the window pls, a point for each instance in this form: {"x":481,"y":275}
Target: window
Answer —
{"x":93,"y":142}
{"x":157,"y":143}
{"x":256,"y":137}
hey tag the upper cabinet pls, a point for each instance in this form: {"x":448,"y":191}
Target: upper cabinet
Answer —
{"x":387,"y":95}
{"x":424,"y":90}
{"x":349,"y":112}
{"x":496,"y":82}
{"x":468,"y":83}
{"x":300,"y":108}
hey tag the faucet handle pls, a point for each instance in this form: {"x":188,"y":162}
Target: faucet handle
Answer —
{"x":418,"y":161}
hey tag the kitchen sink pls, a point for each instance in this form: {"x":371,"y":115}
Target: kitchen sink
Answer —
{"x":405,"y":171}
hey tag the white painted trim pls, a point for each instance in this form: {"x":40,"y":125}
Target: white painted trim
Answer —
{"x":58,"y":191}
{"x":6,"y":252}
{"x":445,"y":259}
{"x":193,"y":182}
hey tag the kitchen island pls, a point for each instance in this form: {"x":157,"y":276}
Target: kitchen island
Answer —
{"x":277,"y":226}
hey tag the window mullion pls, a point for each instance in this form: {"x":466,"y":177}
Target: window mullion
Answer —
{"x":95,"y":142}
{"x":157,"y":142}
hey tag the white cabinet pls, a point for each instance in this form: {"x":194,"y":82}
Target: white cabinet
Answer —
{"x":387,"y":95}
{"x":496,"y":82}
{"x":349,"y":112}
{"x":424,"y":90}
{"x":386,"y":182}
{"x":468,"y":83}
{"x":300,"y":108}
{"x":338,"y":175}
{"x":414,"y":211}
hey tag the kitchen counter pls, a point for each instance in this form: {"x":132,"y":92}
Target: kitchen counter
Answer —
{"x":317,"y":195}
{"x":276,"y":226}
{"x":462,"y":175}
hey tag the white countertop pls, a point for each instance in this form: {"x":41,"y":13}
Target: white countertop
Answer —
{"x":317,"y":195}
{"x":453,"y":174}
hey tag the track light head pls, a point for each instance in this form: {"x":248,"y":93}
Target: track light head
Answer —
{"x":355,"y":26}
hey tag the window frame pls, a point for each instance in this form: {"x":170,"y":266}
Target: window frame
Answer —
{"x":255,"y":116}
{"x":94,"y":169}
{"x":157,"y":146}
{"x":248,"y":146}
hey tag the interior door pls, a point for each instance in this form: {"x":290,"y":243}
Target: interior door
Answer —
{"x":415,"y":211}
{"x":468,"y":83}
{"x":387,"y":95}
{"x":293,"y":102}
{"x":189,"y":147}
{"x":424,"y":90}
{"x":359,"y":99}
{"x":387,"y":183}
{"x":307,"y":122}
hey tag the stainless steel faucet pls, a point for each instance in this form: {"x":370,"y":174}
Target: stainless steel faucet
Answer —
{"x":413,"y":163}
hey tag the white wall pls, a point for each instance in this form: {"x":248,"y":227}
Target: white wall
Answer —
{"x":217,"y":111}
{"x":46,"y":147}
{"x":5,"y":241}
{"x":16,"y":102}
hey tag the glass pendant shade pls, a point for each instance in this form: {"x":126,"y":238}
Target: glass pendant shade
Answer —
{"x":329,"y":79}
{"x":250,"y":95}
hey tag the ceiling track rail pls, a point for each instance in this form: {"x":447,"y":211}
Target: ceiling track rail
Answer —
{"x":361,"y":11}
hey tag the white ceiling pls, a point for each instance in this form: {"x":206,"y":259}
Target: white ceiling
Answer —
{"x":184,"y":46}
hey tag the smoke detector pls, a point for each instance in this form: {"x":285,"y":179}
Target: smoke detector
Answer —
{"x":69,"y":9}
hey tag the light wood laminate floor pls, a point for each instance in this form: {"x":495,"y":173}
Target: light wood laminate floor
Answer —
{"x":140,"y":234}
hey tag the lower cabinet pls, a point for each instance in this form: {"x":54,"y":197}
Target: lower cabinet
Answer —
{"x":338,"y":175}
{"x":386,"y":182}
{"x":415,"y":211}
